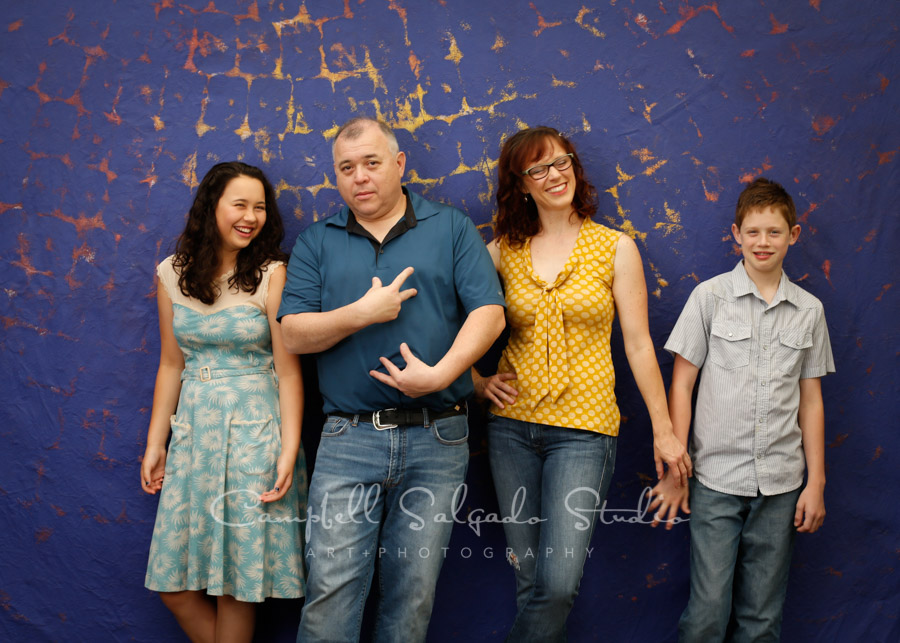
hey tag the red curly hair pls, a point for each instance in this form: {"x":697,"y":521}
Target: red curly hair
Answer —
{"x":517,"y":217}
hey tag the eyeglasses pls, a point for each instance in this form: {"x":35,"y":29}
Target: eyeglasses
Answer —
{"x":540,"y":171}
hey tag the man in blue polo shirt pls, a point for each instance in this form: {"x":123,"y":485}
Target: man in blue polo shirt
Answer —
{"x":399,"y":297}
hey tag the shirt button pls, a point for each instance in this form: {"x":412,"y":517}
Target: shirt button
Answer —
{"x":765,"y":348}
{"x":763,"y":383}
{"x":731,"y":334}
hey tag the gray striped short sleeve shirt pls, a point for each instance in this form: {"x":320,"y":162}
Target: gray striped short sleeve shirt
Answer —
{"x":752,"y":355}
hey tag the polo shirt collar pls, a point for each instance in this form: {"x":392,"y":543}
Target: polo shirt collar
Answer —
{"x":741,"y":285}
{"x":417,"y":209}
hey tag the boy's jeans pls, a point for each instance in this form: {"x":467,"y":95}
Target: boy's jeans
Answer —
{"x":374,"y":496}
{"x":559,"y":476}
{"x":740,"y":557}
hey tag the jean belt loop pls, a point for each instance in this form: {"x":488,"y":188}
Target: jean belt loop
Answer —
{"x":355,"y":420}
{"x":425,"y":418}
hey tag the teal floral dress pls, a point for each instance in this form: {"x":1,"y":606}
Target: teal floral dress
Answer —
{"x":211,"y":531}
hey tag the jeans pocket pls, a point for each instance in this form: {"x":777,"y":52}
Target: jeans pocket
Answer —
{"x":792,"y":345}
{"x":729,"y":344}
{"x":451,"y":431}
{"x":335,"y":426}
{"x":180,"y":452}
{"x":253,"y":444}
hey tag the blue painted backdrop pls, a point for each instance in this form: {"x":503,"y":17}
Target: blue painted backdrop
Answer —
{"x":110,"y":112}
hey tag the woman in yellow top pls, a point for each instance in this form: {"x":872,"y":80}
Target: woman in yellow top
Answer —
{"x":554,"y":419}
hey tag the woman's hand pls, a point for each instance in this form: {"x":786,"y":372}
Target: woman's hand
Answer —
{"x":667,"y":497}
{"x":285,"y":469}
{"x":495,"y":389}
{"x":153,"y":469}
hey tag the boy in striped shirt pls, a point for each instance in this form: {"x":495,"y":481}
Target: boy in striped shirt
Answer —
{"x":760,"y":346}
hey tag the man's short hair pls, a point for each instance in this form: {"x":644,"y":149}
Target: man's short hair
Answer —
{"x":355,"y":127}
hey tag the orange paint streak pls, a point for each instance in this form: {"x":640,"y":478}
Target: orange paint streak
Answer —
{"x":112,"y":116}
{"x":823,"y":123}
{"x":886,"y":157}
{"x":710,"y":196}
{"x":826,"y":268}
{"x":749,"y":53}
{"x":43,"y":535}
{"x":252,"y":14}
{"x":103,"y":167}
{"x":805,"y":216}
{"x":839,"y":440}
{"x":834,"y":572}
{"x":82,"y":223}
{"x":747,"y":178}
{"x":884,"y":82}
{"x":777,"y":27}
{"x":24,"y":261}
{"x":415,"y":65}
{"x":689,"y":13}
{"x":884,"y":289}
{"x":878,"y":452}
{"x":165,"y":4}
{"x":15,"y":26}
{"x":815,"y":4}
{"x":871,"y":236}
{"x":543,"y":24}
{"x":9,"y":206}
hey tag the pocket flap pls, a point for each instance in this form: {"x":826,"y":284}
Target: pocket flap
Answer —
{"x":731,"y":331}
{"x":795,"y":338}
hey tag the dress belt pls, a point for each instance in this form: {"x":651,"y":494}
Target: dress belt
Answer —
{"x":205,"y":373}
{"x":393,"y":418}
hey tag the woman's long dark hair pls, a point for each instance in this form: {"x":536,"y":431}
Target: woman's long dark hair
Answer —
{"x":197,"y":250}
{"x":517,"y":217}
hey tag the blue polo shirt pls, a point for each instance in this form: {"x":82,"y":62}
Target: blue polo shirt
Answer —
{"x":332,"y":265}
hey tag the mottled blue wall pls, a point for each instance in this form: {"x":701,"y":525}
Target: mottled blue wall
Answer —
{"x":111,"y":110}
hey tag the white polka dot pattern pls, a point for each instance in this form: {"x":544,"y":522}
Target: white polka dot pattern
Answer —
{"x":559,"y":340}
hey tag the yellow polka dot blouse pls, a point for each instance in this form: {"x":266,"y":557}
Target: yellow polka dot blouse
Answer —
{"x":559,"y":335}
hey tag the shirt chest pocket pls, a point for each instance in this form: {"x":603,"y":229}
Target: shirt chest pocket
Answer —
{"x":729,"y":344}
{"x":792,"y":345}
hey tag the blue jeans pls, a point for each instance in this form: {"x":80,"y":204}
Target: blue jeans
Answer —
{"x":740,"y":557}
{"x":374,"y":496}
{"x":559,"y":476}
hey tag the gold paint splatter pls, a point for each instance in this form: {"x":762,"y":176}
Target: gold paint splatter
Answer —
{"x":455,"y":54}
{"x":244,"y":130}
{"x":499,"y":43}
{"x":356,"y":70}
{"x":189,"y":172}
{"x":563,"y":83}
{"x":579,"y":20}
{"x":672,"y":223}
{"x":644,"y":154}
{"x":647,"y":110}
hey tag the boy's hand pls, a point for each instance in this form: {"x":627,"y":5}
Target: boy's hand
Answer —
{"x":667,"y":498}
{"x":810,"y":512}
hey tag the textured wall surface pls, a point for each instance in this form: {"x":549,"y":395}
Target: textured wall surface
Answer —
{"x":110,"y":111}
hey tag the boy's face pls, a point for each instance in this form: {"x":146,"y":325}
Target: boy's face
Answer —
{"x":764,"y":238}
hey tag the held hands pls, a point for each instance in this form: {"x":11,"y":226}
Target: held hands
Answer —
{"x":382,"y":303}
{"x":285,"y":469}
{"x":153,"y":468}
{"x":810,"y":513}
{"x":495,"y":389}
{"x":417,"y":379}
{"x":667,"y":498}
{"x":669,"y":450}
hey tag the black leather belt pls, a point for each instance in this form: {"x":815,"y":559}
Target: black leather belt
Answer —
{"x":393,"y":418}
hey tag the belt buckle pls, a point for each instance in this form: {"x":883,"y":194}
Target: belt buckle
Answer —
{"x":205,"y":375}
{"x":376,"y":420}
